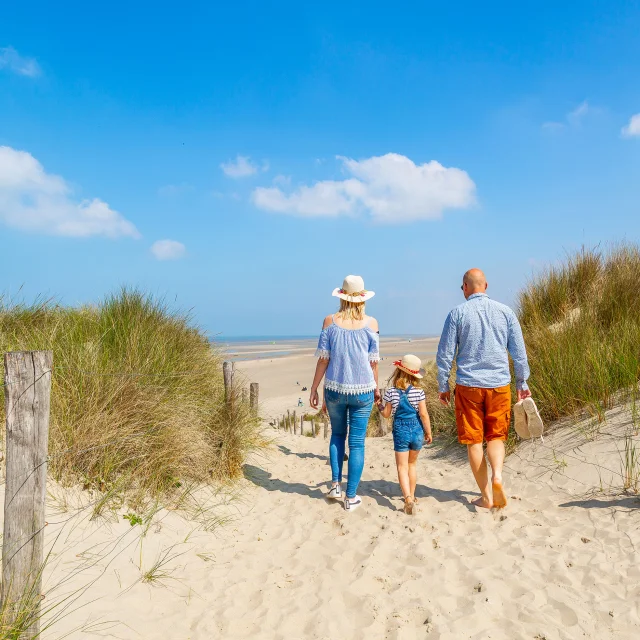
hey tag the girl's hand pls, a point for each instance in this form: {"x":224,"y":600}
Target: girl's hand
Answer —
{"x":313,"y":399}
{"x":428,"y":437}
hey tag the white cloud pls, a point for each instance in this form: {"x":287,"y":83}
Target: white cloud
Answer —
{"x":575,"y":117}
{"x":241,"y":168}
{"x":632,"y":130}
{"x":285,"y":181}
{"x":168,"y":250}
{"x":11,"y":60}
{"x":170,"y":190}
{"x":389,"y":188}
{"x":40,"y":202}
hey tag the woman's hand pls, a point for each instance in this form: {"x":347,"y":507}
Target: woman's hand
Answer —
{"x":377,"y":398}
{"x":428,"y":437}
{"x":313,"y":398}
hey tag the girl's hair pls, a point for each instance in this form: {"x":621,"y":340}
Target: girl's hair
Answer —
{"x":401,"y":380}
{"x":351,"y":310}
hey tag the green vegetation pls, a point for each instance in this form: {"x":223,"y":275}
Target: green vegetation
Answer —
{"x":581,"y":323}
{"x":137,"y":402}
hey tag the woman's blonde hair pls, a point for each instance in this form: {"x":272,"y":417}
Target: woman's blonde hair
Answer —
{"x":401,"y":380}
{"x":351,"y":310}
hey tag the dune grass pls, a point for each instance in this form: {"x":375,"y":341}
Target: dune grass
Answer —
{"x":581,"y":322}
{"x":137,"y":407}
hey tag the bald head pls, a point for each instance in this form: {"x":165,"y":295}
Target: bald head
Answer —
{"x":474,"y":281}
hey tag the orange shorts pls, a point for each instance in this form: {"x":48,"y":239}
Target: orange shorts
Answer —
{"x":482,"y":414}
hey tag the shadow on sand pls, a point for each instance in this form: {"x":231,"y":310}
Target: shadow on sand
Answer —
{"x":288,"y":452}
{"x":628,"y":502}
{"x":379,"y":490}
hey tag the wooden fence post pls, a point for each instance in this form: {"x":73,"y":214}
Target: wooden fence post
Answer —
{"x":253,"y":397}
{"x":326,"y":427}
{"x":27,"y":405}
{"x":294,"y":417}
{"x":302,"y":425}
{"x":227,"y":374}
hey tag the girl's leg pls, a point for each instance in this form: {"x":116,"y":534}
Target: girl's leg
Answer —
{"x":337,"y":409}
{"x":412,"y":472}
{"x":359,"y":411}
{"x":402,"y":459}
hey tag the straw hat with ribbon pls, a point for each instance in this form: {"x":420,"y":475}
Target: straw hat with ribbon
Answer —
{"x":353,"y":290}
{"x":410,"y":364}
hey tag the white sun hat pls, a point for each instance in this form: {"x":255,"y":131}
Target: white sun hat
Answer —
{"x":410,"y":364}
{"x":353,"y":290}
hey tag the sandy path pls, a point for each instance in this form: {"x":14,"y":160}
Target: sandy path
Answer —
{"x":557,"y":563}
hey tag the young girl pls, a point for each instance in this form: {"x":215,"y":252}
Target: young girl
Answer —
{"x":411,"y":425}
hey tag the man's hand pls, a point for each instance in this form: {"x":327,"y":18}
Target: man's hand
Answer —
{"x":445,"y":398}
{"x":377,"y":398}
{"x":523,"y":393}
{"x":313,"y":399}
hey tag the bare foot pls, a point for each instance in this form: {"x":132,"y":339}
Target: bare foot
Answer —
{"x":499,"y":497}
{"x":482,"y":502}
{"x":409,"y":505}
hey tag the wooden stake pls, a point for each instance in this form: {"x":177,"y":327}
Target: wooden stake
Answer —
{"x":302,"y":425}
{"x":27,"y":404}
{"x":253,"y":397}
{"x":227,"y":374}
{"x":326,"y":427}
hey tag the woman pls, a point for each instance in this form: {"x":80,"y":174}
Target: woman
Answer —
{"x":348,"y":353}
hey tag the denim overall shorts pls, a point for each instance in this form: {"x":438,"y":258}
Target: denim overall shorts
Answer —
{"x":408,"y":434}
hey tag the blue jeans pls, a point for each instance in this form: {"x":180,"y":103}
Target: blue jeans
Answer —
{"x":348,"y":413}
{"x":408,"y":435}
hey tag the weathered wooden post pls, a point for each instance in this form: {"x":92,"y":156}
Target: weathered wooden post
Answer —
{"x":253,"y":397}
{"x":302,"y":425}
{"x":227,"y":374}
{"x":27,"y":405}
{"x":294,"y":417}
{"x":326,"y":427}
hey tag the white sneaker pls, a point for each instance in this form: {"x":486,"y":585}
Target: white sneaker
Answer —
{"x":335,"y":493}
{"x":520,"y":420}
{"x":351,"y":504}
{"x":534,"y":421}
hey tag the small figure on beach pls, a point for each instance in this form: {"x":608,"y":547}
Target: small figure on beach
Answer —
{"x":348,"y":354}
{"x":479,"y":335}
{"x":300,"y":403}
{"x":405,"y":399}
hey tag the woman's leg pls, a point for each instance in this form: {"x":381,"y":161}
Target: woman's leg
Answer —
{"x":337,"y":409}
{"x":412,"y":470}
{"x":402,"y":458}
{"x":359,"y":411}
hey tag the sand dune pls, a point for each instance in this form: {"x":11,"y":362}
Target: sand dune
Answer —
{"x":560,"y":562}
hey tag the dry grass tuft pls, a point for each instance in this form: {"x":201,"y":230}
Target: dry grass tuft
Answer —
{"x":137,"y":400}
{"x":581,"y":323}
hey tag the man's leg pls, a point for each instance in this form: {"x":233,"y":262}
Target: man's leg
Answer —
{"x":479,"y":468}
{"x":470,"y":421}
{"x":495,"y":453}
{"x":498,"y":418}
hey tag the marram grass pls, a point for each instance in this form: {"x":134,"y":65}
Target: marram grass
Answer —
{"x":137,"y":406}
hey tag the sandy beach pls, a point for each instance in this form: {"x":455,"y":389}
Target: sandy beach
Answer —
{"x":560,"y":562}
{"x":281,"y":379}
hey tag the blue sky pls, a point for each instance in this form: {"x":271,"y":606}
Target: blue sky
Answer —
{"x":240,"y":160}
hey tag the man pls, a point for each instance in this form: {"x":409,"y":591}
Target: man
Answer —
{"x":478,"y":334}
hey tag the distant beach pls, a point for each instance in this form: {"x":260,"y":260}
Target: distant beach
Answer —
{"x":284,"y":365}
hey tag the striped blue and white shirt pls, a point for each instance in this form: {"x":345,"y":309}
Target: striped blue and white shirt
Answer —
{"x":350,"y":353}
{"x":479,"y":335}
{"x":414,"y":395}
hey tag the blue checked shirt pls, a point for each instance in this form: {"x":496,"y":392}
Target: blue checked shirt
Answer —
{"x":478,"y":334}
